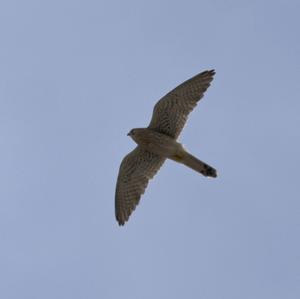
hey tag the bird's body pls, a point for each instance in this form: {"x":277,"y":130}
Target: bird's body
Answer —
{"x":155,"y":142}
{"x":159,"y":142}
{"x":167,"y":147}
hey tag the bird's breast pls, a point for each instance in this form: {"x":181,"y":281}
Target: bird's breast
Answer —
{"x":158,"y":143}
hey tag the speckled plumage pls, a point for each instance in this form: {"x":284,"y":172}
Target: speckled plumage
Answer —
{"x":158,"y":142}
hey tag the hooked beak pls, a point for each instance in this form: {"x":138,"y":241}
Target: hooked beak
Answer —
{"x":128,"y":134}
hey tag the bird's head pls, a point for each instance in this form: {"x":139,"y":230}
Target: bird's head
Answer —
{"x":136,"y":134}
{"x":132,"y":133}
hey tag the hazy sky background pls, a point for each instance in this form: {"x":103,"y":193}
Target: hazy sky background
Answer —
{"x":75,"y":77}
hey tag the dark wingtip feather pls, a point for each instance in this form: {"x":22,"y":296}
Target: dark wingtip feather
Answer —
{"x":120,"y":217}
{"x":211,"y":72}
{"x":121,"y":222}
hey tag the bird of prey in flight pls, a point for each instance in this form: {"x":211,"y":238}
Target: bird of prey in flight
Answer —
{"x":157,"y":142}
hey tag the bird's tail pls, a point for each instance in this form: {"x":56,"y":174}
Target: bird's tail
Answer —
{"x":196,"y":164}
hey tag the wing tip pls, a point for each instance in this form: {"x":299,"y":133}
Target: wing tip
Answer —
{"x":211,"y":72}
{"x":121,"y":218}
{"x":121,"y":221}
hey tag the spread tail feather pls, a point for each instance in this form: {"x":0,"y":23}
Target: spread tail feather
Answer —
{"x":199,"y":166}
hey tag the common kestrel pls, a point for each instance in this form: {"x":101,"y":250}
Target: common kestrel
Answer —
{"x":157,"y":142}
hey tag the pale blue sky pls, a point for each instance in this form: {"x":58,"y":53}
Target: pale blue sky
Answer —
{"x":75,"y":77}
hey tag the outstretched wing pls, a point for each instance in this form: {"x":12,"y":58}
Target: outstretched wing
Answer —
{"x":136,"y":169}
{"x":171,"y":112}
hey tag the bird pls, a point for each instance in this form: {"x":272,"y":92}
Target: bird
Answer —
{"x":158,"y":142}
